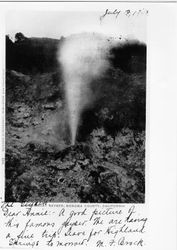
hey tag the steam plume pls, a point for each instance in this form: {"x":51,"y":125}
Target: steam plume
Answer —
{"x":83,"y":58}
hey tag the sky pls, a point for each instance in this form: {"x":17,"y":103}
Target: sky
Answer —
{"x":54,"y":24}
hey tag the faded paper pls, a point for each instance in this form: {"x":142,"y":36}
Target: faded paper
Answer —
{"x":76,"y":129}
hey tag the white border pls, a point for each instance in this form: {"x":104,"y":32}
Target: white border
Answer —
{"x":162,"y":118}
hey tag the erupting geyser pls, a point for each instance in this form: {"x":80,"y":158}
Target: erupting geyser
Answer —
{"x":83,"y":58}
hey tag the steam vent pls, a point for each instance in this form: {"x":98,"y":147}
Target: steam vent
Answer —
{"x":75,"y":119}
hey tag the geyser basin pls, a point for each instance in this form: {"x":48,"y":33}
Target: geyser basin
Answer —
{"x":83,"y":57}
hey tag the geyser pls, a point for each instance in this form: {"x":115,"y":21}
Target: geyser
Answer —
{"x":83,"y":57}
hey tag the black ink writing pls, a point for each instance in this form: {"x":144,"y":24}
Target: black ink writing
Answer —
{"x":31,"y":225}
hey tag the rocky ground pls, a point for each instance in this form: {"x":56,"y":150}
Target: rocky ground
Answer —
{"x":41,"y":165}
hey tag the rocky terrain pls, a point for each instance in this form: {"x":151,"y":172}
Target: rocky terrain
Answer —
{"x":107,"y":163}
{"x":42,"y":166}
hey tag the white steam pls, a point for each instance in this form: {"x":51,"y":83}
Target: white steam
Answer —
{"x":83,"y":58}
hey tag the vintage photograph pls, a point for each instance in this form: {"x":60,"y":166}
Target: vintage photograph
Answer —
{"x":75,"y":106}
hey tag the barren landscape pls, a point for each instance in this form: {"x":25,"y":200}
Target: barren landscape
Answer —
{"x":106,"y":164}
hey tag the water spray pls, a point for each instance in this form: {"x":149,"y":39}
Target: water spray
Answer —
{"x":83,"y":58}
